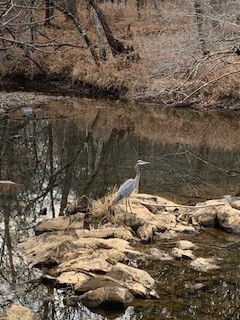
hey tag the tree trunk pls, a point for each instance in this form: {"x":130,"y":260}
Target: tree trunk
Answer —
{"x":101,"y":39}
{"x":116,"y":46}
{"x":217,"y":11}
{"x":200,"y":26}
{"x":81,"y":30}
{"x":49,"y":13}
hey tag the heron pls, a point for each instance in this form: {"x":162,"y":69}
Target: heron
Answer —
{"x":127,"y":188}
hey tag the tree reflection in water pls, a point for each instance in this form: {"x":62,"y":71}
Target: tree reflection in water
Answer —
{"x":56,"y":160}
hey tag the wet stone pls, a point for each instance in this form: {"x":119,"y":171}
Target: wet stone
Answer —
{"x":13,"y":103}
{"x":28,"y":112}
{"x":185,"y":245}
{"x":204,"y":264}
{"x":182,"y":254}
{"x":2,"y":111}
{"x":103,"y":296}
{"x":161,"y":255}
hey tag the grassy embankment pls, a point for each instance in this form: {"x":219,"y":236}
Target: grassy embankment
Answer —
{"x":171,"y":67}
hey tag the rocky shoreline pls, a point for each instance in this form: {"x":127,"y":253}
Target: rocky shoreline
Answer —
{"x":93,"y":247}
{"x":40,"y":94}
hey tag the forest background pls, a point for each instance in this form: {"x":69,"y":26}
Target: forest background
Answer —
{"x":167,"y":51}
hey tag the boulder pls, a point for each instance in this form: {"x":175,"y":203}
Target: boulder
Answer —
{"x":72,"y":257}
{"x":236,"y":204}
{"x":185,"y":245}
{"x":75,"y":278}
{"x":229,"y":218}
{"x":205,"y":216}
{"x":61,"y":223}
{"x":182,"y":254}
{"x":139,"y":282}
{"x":17,"y":312}
{"x":111,"y":295}
{"x":146,"y":232}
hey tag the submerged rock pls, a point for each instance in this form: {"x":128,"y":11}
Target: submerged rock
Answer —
{"x":161,"y":255}
{"x":185,"y":245}
{"x":13,"y":102}
{"x":28,"y":112}
{"x":182,"y":254}
{"x":204,"y":264}
{"x":111,"y":295}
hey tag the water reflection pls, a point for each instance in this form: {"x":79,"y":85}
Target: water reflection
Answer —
{"x":55,"y":159}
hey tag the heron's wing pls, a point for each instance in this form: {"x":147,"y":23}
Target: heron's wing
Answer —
{"x":125,"y":190}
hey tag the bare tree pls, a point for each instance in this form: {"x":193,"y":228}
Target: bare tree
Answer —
{"x":49,"y":13}
{"x":198,"y":6}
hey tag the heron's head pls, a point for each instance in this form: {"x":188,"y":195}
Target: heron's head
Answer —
{"x":141,"y":162}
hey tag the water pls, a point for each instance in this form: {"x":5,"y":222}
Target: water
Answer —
{"x":88,"y":147}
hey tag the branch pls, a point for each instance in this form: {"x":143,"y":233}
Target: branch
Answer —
{"x":210,"y":82}
{"x":81,"y":30}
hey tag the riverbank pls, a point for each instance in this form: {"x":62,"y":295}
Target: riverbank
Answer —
{"x":37,"y":91}
{"x":148,"y":54}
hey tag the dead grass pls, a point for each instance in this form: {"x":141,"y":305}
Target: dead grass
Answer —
{"x":169,"y":67}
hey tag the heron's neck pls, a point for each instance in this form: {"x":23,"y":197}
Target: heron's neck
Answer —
{"x":137,"y":178}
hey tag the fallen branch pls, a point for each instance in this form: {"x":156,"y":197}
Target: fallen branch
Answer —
{"x":210,"y":82}
{"x":182,"y":206}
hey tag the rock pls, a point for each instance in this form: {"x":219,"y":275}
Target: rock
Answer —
{"x":185,"y":254}
{"x":142,"y":213}
{"x":212,"y":203}
{"x":165,"y":221}
{"x":13,"y":103}
{"x":184,"y":228}
{"x":185,"y":245}
{"x":88,"y":263}
{"x":61,"y":223}
{"x":2,"y":111}
{"x":38,"y":112}
{"x":17,"y":312}
{"x":106,"y":233}
{"x":204,"y":264}
{"x":47,"y":249}
{"x":104,"y":296}
{"x":236,"y":204}
{"x":146,"y":232}
{"x":229,"y":218}
{"x":28,"y":112}
{"x":85,"y":264}
{"x":83,"y":204}
{"x":72,"y":277}
{"x":139,"y":282}
{"x":206,"y":216}
{"x":94,"y":282}
{"x":161,"y":255}
{"x":169,"y":234}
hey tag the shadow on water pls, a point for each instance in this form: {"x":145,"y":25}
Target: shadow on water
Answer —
{"x":89,"y":149}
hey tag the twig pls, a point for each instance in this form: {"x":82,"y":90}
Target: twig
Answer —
{"x":182,"y":206}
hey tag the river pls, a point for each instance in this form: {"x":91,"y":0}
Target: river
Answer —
{"x":84,"y":146}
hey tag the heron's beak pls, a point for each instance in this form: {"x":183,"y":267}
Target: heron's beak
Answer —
{"x":146,"y":162}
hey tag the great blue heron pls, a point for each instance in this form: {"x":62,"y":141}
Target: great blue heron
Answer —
{"x":127,"y":188}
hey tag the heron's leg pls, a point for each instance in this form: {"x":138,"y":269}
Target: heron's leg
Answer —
{"x":126,"y":203}
{"x":129,"y":205}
